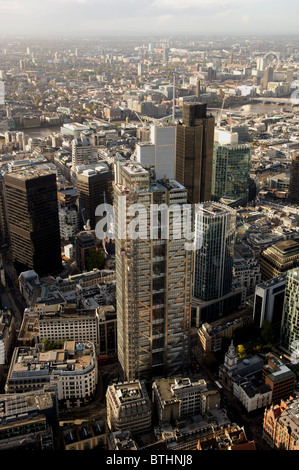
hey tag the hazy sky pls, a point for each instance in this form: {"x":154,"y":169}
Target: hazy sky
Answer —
{"x":149,"y":16}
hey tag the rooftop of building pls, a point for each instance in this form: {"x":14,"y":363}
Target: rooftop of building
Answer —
{"x":290,"y":417}
{"x":277,"y":371}
{"x":22,"y":406}
{"x":76,"y":432}
{"x":30,"y":326}
{"x":215,"y":208}
{"x":129,"y":392}
{"x":29,"y":276}
{"x":92,"y":169}
{"x":73,"y":357}
{"x":232,"y":146}
{"x":30,"y":174}
{"x":70,"y":191}
{"x":243,"y":251}
{"x":106,"y":313}
{"x":55,"y":298}
{"x":67,"y":315}
{"x":85,"y":235}
{"x":286,"y":246}
{"x":145,"y":144}
{"x":169,"y":184}
{"x":233,"y":321}
{"x":281,"y":279}
{"x":195,"y":427}
{"x":249,"y":366}
{"x":123,"y":440}
{"x":134,"y":168}
{"x":169,"y":388}
{"x":253,"y":388}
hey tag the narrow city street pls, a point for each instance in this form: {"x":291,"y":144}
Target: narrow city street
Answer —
{"x":97,"y":407}
{"x":252,"y":422}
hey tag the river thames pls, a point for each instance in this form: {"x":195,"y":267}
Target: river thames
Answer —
{"x":246,"y":111}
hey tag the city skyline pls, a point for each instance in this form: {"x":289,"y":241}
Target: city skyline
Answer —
{"x":90,"y":17}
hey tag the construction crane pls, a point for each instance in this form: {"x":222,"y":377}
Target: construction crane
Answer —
{"x":221,"y":111}
{"x":139,"y":117}
{"x":86,"y":223}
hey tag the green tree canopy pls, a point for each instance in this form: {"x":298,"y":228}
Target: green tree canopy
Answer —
{"x":50,"y":345}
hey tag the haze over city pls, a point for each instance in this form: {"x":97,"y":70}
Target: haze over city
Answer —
{"x":75,"y":17}
{"x":149,"y":228}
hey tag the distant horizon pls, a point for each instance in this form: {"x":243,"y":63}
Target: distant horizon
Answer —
{"x":157,"y":35}
{"x":69,"y":18}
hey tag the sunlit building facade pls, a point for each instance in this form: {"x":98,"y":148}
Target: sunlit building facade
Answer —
{"x":153,"y":279}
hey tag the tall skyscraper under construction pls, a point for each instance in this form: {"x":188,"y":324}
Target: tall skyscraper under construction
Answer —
{"x":194,"y":152}
{"x":289,"y":326}
{"x":33,"y":221}
{"x":153,"y":278}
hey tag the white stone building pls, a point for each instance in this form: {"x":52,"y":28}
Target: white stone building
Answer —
{"x":73,"y":369}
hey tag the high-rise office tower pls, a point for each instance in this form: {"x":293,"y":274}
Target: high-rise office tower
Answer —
{"x":140,"y":69}
{"x":197,"y":91}
{"x":290,"y":325}
{"x":153,"y":278}
{"x":3,"y":214}
{"x":231,"y":171}
{"x":33,"y":222}
{"x":82,"y":151}
{"x":159,"y":152}
{"x":212,"y":73}
{"x":268,"y":301}
{"x":260,"y":64}
{"x":165,"y":54}
{"x":194,"y":152}
{"x":215,"y":226}
{"x":94,"y":187}
{"x":294,"y":180}
{"x":268,"y":77}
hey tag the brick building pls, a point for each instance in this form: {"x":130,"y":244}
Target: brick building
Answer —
{"x":280,"y":425}
{"x":280,"y":379}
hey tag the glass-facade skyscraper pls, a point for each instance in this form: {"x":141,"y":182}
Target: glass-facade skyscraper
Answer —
{"x":231,"y":171}
{"x":33,"y":221}
{"x":215,"y":226}
{"x":294,"y":180}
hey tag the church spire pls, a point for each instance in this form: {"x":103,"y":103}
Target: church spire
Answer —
{"x":231,"y":359}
